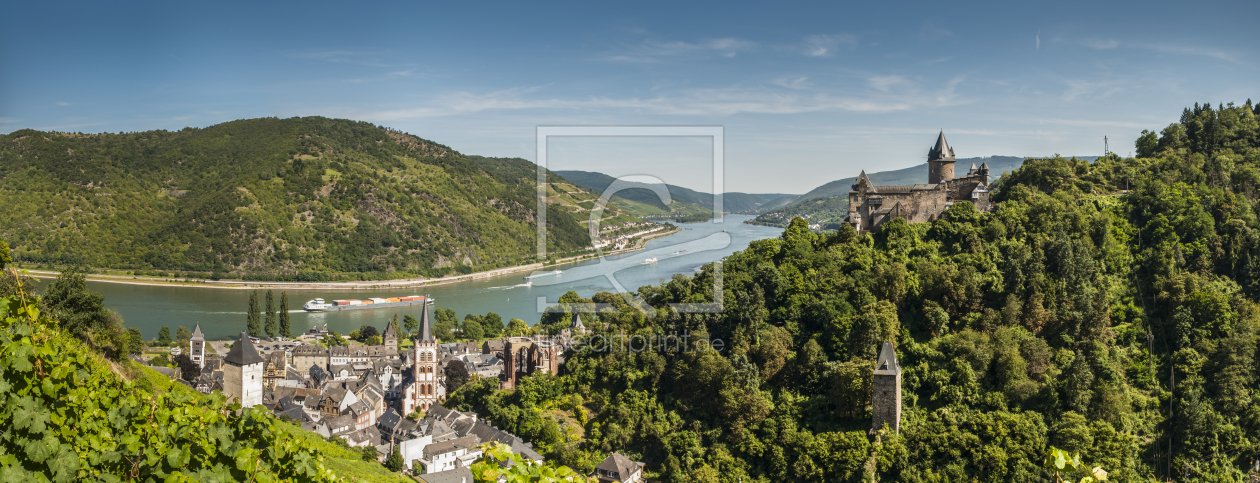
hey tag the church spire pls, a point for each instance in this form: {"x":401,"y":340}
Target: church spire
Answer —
{"x":426,"y":332}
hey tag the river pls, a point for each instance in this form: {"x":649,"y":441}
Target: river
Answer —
{"x":221,"y":312}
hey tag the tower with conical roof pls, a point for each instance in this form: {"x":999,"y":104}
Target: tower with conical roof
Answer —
{"x":940,"y":161}
{"x":886,"y":391}
{"x":197,"y":347}
{"x":243,"y":373}
{"x":426,"y":388}
{"x":390,"y":338}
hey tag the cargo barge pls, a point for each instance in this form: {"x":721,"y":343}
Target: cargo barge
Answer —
{"x":319,"y":305}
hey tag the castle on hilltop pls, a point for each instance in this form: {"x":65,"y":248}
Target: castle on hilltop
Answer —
{"x":871,"y":206}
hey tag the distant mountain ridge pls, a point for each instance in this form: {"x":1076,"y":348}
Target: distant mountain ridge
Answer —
{"x":298,"y":197}
{"x":643,"y":194}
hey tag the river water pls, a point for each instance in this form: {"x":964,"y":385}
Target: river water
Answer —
{"x":221,"y":312}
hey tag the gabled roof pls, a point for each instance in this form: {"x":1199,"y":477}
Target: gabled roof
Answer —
{"x":618,"y":465}
{"x":887,"y":365}
{"x":243,"y":352}
{"x":577,"y":322}
{"x":196,"y":335}
{"x":389,"y":331}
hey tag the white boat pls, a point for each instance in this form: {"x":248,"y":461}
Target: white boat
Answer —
{"x":544,"y":274}
{"x":649,"y":261}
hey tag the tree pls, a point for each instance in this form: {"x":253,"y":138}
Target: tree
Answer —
{"x":472,"y":328}
{"x":492,"y":325}
{"x":444,"y":324}
{"x":188,"y":370}
{"x":369,"y":453}
{"x":136,"y":340}
{"x":410,"y":324}
{"x":76,"y":309}
{"x":456,"y":375}
{"x":253,"y":322}
{"x":1147,"y":144}
{"x":395,"y":461}
{"x":182,"y":334}
{"x":517,"y":327}
{"x":285,"y":330}
{"x":270,"y":325}
{"x":164,"y":336}
{"x":373,"y":340}
{"x":5,"y":257}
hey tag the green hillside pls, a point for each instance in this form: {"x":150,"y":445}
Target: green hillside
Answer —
{"x":1108,"y":309}
{"x":301,"y":198}
{"x":685,"y":200}
{"x":828,"y":204}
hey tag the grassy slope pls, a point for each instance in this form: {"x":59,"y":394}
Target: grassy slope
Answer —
{"x":268,"y":196}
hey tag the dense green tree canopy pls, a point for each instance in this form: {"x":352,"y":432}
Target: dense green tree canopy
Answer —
{"x":1018,"y":330}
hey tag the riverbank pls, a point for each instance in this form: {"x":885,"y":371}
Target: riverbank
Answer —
{"x":357,"y":285}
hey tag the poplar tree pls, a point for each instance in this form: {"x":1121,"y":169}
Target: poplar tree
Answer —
{"x":252,"y":320}
{"x":271,"y":315}
{"x":284,"y":315}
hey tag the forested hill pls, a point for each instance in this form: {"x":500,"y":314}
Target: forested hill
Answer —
{"x":285,"y":198}
{"x":1017,"y":330}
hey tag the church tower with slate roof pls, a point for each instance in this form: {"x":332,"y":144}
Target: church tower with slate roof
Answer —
{"x":243,"y":373}
{"x":427,"y":379}
{"x":197,"y":348}
{"x":886,"y":391}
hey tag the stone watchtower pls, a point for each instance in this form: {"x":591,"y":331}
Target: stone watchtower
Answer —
{"x":886,"y":391}
{"x":243,"y":373}
{"x":940,"y":161}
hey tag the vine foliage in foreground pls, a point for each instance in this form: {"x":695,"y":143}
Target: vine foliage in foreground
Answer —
{"x":67,"y":417}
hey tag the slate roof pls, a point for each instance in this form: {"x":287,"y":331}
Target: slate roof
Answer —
{"x":448,"y":446}
{"x":243,"y":352}
{"x":941,"y":150}
{"x":426,"y":332}
{"x":457,"y":475}
{"x":887,"y":365}
{"x":196,"y":335}
{"x":389,"y":331}
{"x":619,"y":465}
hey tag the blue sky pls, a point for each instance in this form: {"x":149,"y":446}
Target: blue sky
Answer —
{"x":807,"y":92}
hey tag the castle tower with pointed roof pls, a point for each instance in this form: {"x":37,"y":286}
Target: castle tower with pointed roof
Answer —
{"x":243,"y":373}
{"x":886,"y":391}
{"x":197,"y":347}
{"x":390,"y":339}
{"x":940,"y":161}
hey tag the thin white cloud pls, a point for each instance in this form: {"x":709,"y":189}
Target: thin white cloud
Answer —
{"x":793,"y":82}
{"x":1094,"y":123}
{"x":898,"y":95}
{"x":1092,"y":89}
{"x":63,"y":104}
{"x":655,"y":51}
{"x":1038,"y":39}
{"x":1163,"y":48}
{"x":8,"y":120}
{"x":887,"y":82}
{"x":828,"y":45}
{"x":1100,"y":44}
{"x":937,"y":61}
